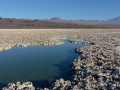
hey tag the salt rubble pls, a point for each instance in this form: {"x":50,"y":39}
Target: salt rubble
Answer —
{"x":96,"y":68}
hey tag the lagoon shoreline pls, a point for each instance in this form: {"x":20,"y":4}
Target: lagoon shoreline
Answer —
{"x":98,"y":64}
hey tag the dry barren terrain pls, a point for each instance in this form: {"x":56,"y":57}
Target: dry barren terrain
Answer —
{"x":41,"y":37}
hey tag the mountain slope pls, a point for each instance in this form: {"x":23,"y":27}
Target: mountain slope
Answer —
{"x":56,"y":23}
{"x":116,"y":19}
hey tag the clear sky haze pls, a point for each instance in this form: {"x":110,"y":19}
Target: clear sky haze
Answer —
{"x":66,"y":9}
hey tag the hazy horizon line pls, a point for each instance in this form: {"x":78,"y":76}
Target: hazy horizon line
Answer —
{"x":32,"y":18}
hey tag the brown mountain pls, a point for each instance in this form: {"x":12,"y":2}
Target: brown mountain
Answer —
{"x":55,"y":23}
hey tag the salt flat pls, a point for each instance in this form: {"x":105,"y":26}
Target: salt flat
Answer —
{"x":98,"y":64}
{"x":42,"y":37}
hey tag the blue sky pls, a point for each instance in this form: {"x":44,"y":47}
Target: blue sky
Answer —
{"x":66,"y":9}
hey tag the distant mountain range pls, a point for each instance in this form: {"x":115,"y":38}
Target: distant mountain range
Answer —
{"x":116,"y":19}
{"x":57,"y":22}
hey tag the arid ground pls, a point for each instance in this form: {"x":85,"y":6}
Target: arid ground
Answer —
{"x":98,"y":64}
{"x":42,"y":37}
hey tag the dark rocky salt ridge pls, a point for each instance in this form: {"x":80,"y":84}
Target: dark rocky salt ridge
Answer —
{"x":96,"y":68}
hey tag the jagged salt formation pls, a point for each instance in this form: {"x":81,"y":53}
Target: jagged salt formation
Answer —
{"x":97,"y":67}
{"x":19,"y":86}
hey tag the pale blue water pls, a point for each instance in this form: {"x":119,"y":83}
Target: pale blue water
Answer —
{"x":39,"y":64}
